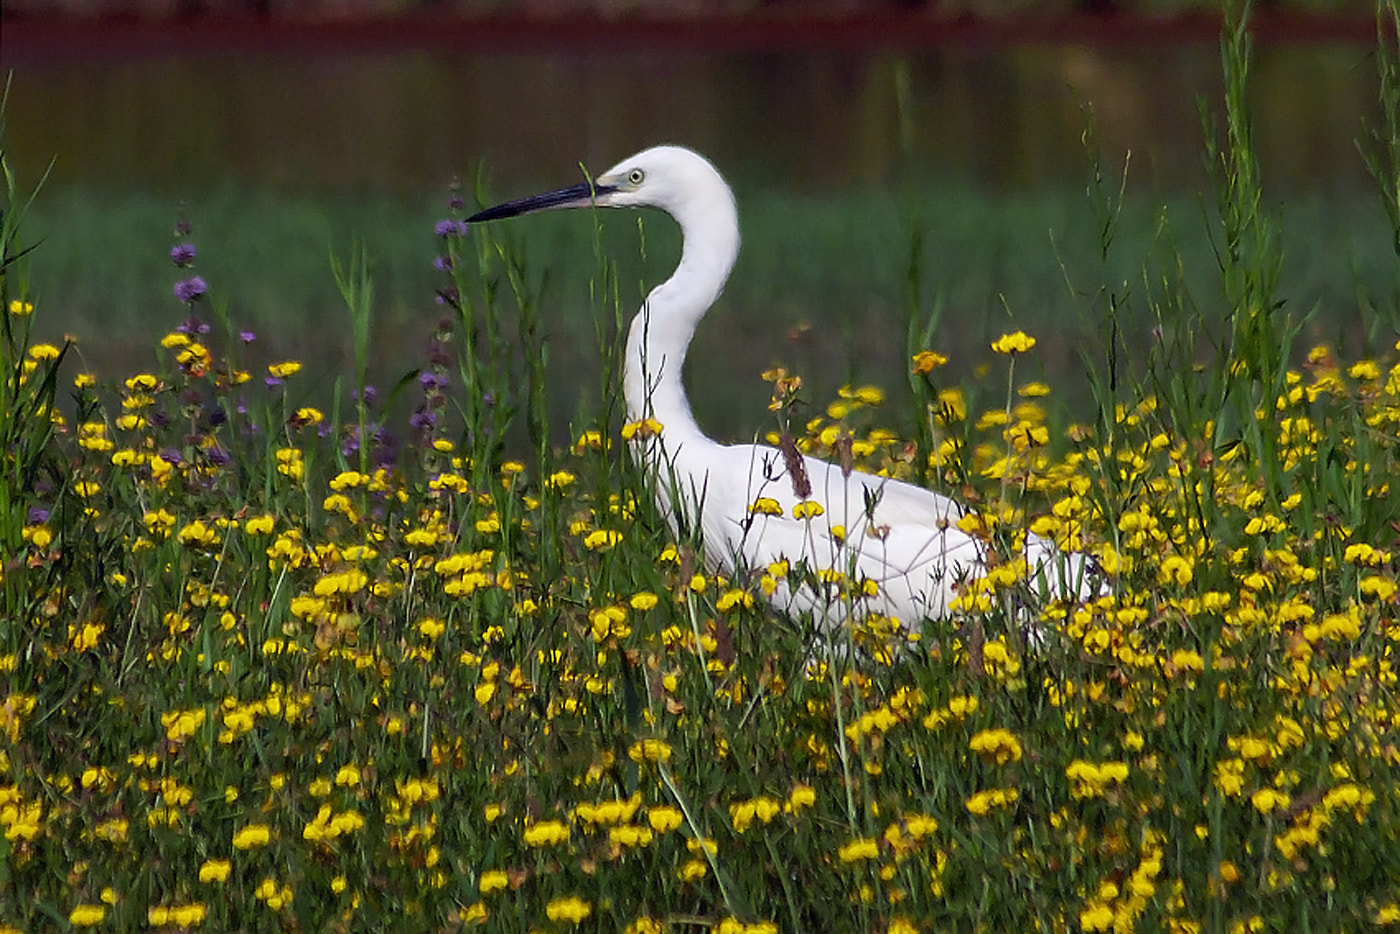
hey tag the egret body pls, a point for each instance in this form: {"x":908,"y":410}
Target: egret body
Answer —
{"x":896,"y":545}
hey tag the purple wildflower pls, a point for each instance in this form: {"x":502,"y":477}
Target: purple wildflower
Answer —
{"x":431,"y":381}
{"x":451,"y":228}
{"x":350,"y":443}
{"x":189,"y":290}
{"x":368,"y":394}
{"x":192,"y":325}
{"x":171,"y":455}
{"x":38,"y":515}
{"x":443,"y":264}
{"x":423,"y":420}
{"x":247,"y":337}
{"x":183,"y":254}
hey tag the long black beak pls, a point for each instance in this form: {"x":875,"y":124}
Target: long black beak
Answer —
{"x":575,"y":196}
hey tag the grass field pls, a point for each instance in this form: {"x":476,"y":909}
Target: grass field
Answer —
{"x":821,"y":286}
{"x":281,"y":655}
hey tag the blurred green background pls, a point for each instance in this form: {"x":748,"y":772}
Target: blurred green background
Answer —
{"x":840,"y":155}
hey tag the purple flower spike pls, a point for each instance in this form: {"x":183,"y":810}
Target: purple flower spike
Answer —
{"x":192,"y":326}
{"x":451,"y":228}
{"x":189,"y":290}
{"x":183,"y":254}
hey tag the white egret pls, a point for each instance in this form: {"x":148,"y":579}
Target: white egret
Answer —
{"x":896,"y":545}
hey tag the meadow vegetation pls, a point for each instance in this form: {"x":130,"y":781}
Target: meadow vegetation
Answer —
{"x":824,"y":273}
{"x":269,"y":663}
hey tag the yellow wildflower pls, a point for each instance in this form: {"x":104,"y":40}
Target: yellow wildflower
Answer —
{"x":252,"y":835}
{"x":664,"y":819}
{"x":983,"y":802}
{"x":1268,"y":800}
{"x":649,"y":750}
{"x":602,"y":539}
{"x":86,"y":916}
{"x":568,"y":909}
{"x":546,"y":833}
{"x":803,"y":796}
{"x":999,"y":746}
{"x":1096,"y":917}
{"x":857,"y":850}
{"x":215,"y":870}
{"x":926,"y":361}
{"x":766,"y":505}
{"x":1013,"y":343}
{"x":647,"y":428}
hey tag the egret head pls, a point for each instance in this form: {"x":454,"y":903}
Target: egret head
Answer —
{"x":685,"y":186}
{"x":671,"y":178}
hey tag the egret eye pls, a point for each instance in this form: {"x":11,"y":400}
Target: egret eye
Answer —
{"x":635,"y":176}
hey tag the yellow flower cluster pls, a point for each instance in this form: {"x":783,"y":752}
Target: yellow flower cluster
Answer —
{"x":327,"y":826}
{"x":406,"y":662}
{"x":1090,"y":780}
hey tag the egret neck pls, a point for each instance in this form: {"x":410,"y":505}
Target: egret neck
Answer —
{"x":662,"y":329}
